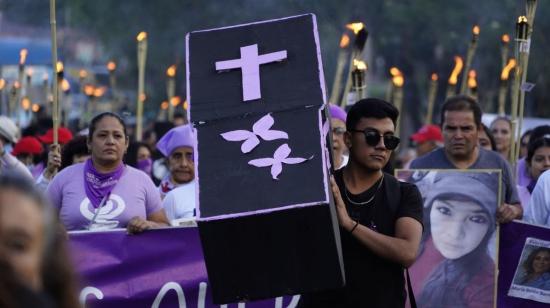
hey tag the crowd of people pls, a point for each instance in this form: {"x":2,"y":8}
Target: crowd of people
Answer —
{"x":98,"y":179}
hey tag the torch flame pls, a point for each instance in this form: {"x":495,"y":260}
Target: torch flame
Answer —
{"x":111,"y":66}
{"x":83,"y":74}
{"x":59,"y":67}
{"x":65,"y":86}
{"x":142,"y":97}
{"x":26,"y":103}
{"x":360,"y":65}
{"x":164,"y":105}
{"x":475,"y":30}
{"x":344,"y":41}
{"x":394,"y":71}
{"x":472,"y":82}
{"x":506,"y":70}
{"x":141,"y":36}
{"x":505,"y":38}
{"x":398,"y":81}
{"x":434,"y":77}
{"x":171,"y":71}
{"x":99,"y":91}
{"x":2,"y":84}
{"x":176,"y":100}
{"x":355,"y":27}
{"x":35,"y":107}
{"x":29,"y":72}
{"x":522,"y":19}
{"x":186,"y":105}
{"x":89,"y":90}
{"x":16,"y":85}
{"x":23,"y":56}
{"x":456,"y":70}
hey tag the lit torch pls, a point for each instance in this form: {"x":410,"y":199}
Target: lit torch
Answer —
{"x":432,"y":93}
{"x":358,"y":80}
{"x":171,"y":89}
{"x":142,"y":57}
{"x":453,"y":79}
{"x":111,"y":67}
{"x":505,"y":49}
{"x":523,"y":43}
{"x":469,"y":57}
{"x":340,"y":64}
{"x":504,"y":77}
{"x":472,"y":83}
{"x":360,"y":40}
{"x":398,"y":81}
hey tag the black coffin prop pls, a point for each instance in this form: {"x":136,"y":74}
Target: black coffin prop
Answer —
{"x":256,"y":94}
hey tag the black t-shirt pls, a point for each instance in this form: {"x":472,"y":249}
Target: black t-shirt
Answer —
{"x":371,"y":281}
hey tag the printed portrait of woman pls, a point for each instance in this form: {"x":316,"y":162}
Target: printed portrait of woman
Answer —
{"x":454,"y":267}
{"x":536,"y":270}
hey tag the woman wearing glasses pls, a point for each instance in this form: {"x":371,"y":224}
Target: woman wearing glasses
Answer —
{"x":338,"y":124}
{"x":104,"y":193}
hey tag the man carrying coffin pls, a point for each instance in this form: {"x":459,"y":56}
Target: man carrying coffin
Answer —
{"x":380,"y":218}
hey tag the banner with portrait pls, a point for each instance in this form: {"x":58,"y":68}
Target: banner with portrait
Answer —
{"x":456,"y":264}
{"x":524,"y":265}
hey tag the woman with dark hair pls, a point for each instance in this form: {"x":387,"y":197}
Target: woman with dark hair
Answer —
{"x":454,"y":268}
{"x":104,"y":193}
{"x":537,"y":269}
{"x":34,"y":261}
{"x":139,"y":157}
{"x":537,"y":161}
{"x":501,"y":128}
{"x":486,"y":139}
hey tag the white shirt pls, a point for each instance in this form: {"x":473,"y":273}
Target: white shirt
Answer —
{"x":180,"y":202}
{"x":538,"y":211}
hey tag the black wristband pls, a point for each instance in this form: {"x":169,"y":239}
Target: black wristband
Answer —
{"x":353,"y":229}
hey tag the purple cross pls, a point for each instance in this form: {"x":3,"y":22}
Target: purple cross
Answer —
{"x":250,"y":63}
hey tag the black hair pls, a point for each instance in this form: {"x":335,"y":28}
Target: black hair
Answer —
{"x":131,"y":155}
{"x":490,"y":136}
{"x":543,"y":141}
{"x":539,"y":132}
{"x":525,"y":134}
{"x":462,"y":103}
{"x":77,"y":146}
{"x":370,"y":108}
{"x":100,"y":116}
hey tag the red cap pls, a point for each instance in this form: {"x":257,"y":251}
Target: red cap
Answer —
{"x":428,"y":133}
{"x":27,"y":145}
{"x":64,"y":135}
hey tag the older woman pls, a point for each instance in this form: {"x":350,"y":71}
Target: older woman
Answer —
{"x":103,"y":193}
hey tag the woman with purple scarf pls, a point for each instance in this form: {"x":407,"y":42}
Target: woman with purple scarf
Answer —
{"x":103,"y":193}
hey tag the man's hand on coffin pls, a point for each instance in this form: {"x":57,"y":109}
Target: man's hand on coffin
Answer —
{"x":343,"y":217}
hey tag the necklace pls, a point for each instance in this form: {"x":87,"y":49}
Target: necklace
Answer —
{"x":368,"y":201}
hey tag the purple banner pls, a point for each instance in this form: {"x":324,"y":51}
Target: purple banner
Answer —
{"x":517,"y":239}
{"x":158,"y":268}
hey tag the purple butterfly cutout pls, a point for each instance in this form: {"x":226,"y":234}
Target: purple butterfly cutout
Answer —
{"x":276,"y":163}
{"x":261,"y":128}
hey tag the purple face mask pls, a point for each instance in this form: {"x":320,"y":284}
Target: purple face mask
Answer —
{"x":145,"y":165}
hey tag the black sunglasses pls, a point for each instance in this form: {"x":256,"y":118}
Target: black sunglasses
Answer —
{"x":372,"y":137}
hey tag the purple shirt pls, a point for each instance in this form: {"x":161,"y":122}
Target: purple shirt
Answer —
{"x":134,"y":195}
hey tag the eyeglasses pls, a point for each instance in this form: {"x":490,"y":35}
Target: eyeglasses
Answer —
{"x":338,"y":130}
{"x":372,"y":137}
